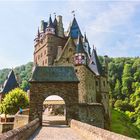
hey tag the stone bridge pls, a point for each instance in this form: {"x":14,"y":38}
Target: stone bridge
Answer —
{"x":76,"y":130}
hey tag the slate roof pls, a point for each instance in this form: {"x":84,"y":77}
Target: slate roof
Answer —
{"x":94,"y":64}
{"x":74,"y":29}
{"x":54,"y":74}
{"x":10,"y":83}
{"x":87,"y":47}
{"x":50,"y":23}
{"x":79,"y":46}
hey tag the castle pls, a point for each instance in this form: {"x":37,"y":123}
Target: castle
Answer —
{"x":68,"y":55}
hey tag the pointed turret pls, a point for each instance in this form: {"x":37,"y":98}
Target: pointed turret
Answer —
{"x":74,"y":29}
{"x":50,"y":23}
{"x":55,"y":22}
{"x":79,"y":46}
{"x":86,"y":45}
{"x":10,"y":83}
{"x":50,"y":27}
{"x":94,"y":64}
{"x":37,"y":36}
{"x":80,"y":55}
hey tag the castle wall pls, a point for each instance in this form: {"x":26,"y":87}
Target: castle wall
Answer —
{"x":46,"y":50}
{"x":92,"y":114}
{"x":86,"y":87}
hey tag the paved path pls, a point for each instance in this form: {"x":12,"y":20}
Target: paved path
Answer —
{"x":54,"y":128}
{"x":58,"y":132}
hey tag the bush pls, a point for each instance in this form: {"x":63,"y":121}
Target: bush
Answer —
{"x":14,"y":100}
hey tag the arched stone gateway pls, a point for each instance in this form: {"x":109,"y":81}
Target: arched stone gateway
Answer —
{"x":46,"y":81}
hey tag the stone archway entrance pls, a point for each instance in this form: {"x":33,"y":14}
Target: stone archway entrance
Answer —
{"x":54,"y":111}
{"x":47,"y":81}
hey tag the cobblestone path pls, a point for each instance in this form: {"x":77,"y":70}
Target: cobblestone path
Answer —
{"x":58,"y":132}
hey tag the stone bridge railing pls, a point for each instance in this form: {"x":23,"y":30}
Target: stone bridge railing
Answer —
{"x":22,"y":133}
{"x":94,"y":133}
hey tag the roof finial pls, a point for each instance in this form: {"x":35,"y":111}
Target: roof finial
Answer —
{"x":54,"y":14}
{"x":73,"y":12}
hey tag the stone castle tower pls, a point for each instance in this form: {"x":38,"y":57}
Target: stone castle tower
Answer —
{"x":54,"y":47}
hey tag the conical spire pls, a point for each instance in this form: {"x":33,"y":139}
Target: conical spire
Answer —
{"x":50,"y":23}
{"x":55,"y":21}
{"x":94,"y":64}
{"x":87,"y":46}
{"x":10,"y":83}
{"x":74,"y":29}
{"x":79,"y":47}
{"x":38,"y":33}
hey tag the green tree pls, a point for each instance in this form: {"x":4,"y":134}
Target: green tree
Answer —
{"x":25,"y":85}
{"x":117,"y":90}
{"x":14,"y":100}
{"x":127,"y":80}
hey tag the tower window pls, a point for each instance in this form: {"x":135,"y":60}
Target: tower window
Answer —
{"x":96,"y":83}
{"x":104,"y":83}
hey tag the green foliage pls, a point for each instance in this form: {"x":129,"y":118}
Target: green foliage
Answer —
{"x":14,"y":100}
{"x":120,"y":123}
{"x":124,"y":79}
{"x":23,"y":73}
{"x":25,"y":85}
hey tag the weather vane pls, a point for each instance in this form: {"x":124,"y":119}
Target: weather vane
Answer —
{"x":73,"y":12}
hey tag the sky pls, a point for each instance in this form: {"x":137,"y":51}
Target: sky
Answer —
{"x":113,"y":27}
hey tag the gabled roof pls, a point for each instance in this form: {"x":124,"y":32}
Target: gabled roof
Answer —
{"x":54,"y":74}
{"x":94,"y":63}
{"x":10,"y":83}
{"x":74,"y":29}
{"x":79,"y":46}
{"x":65,"y":47}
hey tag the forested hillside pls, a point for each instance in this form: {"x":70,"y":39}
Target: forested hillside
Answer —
{"x":23,"y":74}
{"x":124,"y":81}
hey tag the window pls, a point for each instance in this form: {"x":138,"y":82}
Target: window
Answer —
{"x":96,"y":83}
{"x":38,"y":57}
{"x":104,"y":83}
{"x":45,"y":61}
{"x":45,"y":52}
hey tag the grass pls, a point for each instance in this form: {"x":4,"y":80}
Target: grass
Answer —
{"x":120,"y":123}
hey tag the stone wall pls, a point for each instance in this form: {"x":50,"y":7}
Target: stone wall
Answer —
{"x":40,"y":91}
{"x":86,"y":87}
{"x":46,"y":49}
{"x":21,"y":119}
{"x":22,"y":133}
{"x":94,"y":133}
{"x":6,"y":126}
{"x":92,"y":114}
